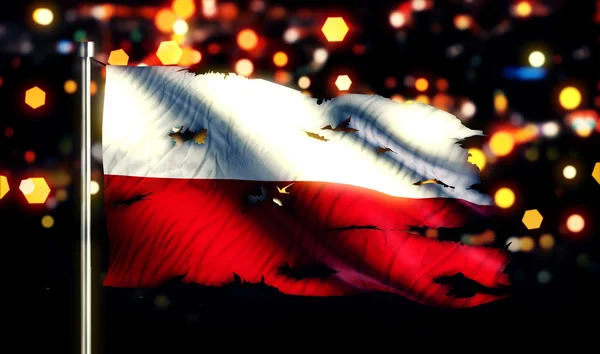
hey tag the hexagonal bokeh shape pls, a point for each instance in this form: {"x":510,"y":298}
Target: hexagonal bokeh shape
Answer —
{"x":4,"y":188}
{"x":35,"y":97}
{"x":35,"y":190}
{"x":343,"y":82}
{"x":596,"y":172}
{"x":118,"y":57}
{"x":335,"y":29}
{"x":169,"y":52}
{"x":532,"y":219}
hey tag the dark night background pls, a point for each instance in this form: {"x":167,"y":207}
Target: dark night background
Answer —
{"x":555,"y":284}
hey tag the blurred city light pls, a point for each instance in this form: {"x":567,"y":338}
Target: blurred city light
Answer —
{"x":500,"y":102}
{"x":397,"y":19}
{"x":35,"y":190}
{"x":118,"y":57}
{"x":169,"y":53}
{"x":209,"y":8}
{"x":537,"y":59}
{"x":526,"y":244}
{"x":532,"y":219}
{"x":43,"y":16}
{"x":501,"y":143}
{"x":343,"y":82}
{"x":335,"y":29}
{"x":189,"y":56}
{"x":550,"y":129}
{"x":504,"y":198}
{"x":575,"y":223}
{"x":4,"y":188}
{"x":462,"y":21}
{"x":244,"y":67}
{"x":569,"y":97}
{"x":523,"y":9}
{"x":291,"y":35}
{"x":35,"y":97}
{"x":304,"y":82}
{"x":569,"y":172}
{"x":546,"y":241}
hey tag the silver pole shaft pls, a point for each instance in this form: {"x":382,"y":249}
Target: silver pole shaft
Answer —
{"x":86,"y":52}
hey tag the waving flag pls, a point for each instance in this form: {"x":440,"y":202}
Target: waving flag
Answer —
{"x":211,"y":175}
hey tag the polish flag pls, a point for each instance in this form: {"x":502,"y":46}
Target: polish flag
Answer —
{"x":211,"y":175}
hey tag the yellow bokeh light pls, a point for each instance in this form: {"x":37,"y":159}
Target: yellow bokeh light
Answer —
{"x":244,"y":67}
{"x":335,"y":29}
{"x":422,"y":99}
{"x":304,"y":82}
{"x":575,"y":223}
{"x":118,"y":57}
{"x":169,"y":52}
{"x":4,"y":188}
{"x":526,"y":244}
{"x":180,"y":27}
{"x":569,"y":172}
{"x":184,"y":8}
{"x":35,"y":190}
{"x":47,"y":221}
{"x":546,"y":241}
{"x":280,"y":59}
{"x":343,"y":82}
{"x":532,"y":219}
{"x":247,"y":39}
{"x":189,"y":56}
{"x":570,"y":97}
{"x":523,"y":9}
{"x":70,"y":86}
{"x":504,"y":198}
{"x":164,"y":20}
{"x":477,"y":158}
{"x":421,"y":84}
{"x":536,"y":59}
{"x":501,"y":143}
{"x":500,"y":102}
{"x":94,"y":187}
{"x":596,"y":172}
{"x":35,"y":97}
{"x":43,"y":16}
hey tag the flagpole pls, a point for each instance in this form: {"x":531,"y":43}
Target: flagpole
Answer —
{"x":86,"y":52}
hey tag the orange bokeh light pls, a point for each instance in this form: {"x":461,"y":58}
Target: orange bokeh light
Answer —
{"x":421,"y":84}
{"x":184,"y":8}
{"x":501,"y":143}
{"x":280,"y":59}
{"x":164,"y":20}
{"x":247,"y":39}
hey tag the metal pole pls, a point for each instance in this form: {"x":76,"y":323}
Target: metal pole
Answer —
{"x":86,"y":52}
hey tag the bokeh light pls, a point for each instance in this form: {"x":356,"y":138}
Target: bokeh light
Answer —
{"x":247,"y":39}
{"x":4,"y":187}
{"x":570,"y":97}
{"x":47,"y":221}
{"x":189,"y":56}
{"x":501,"y":143}
{"x":504,"y":198}
{"x":500,"y":102}
{"x":546,"y":241}
{"x":180,"y":27}
{"x":164,"y":20}
{"x":343,"y":82}
{"x":118,"y":57}
{"x":35,"y":190}
{"x":94,"y":187}
{"x":70,"y":86}
{"x":537,"y":59}
{"x":184,"y":8}
{"x":596,"y":172}
{"x":575,"y":223}
{"x":526,"y":244}
{"x":569,"y":172}
{"x":397,"y":19}
{"x":523,"y":8}
{"x":280,"y":59}
{"x":304,"y":82}
{"x":43,"y":16}
{"x":335,"y":29}
{"x":532,"y":219}
{"x":35,"y":97}
{"x":421,"y":84}
{"x":244,"y":67}
{"x":550,"y":129}
{"x":477,"y":158}
{"x":169,"y":53}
